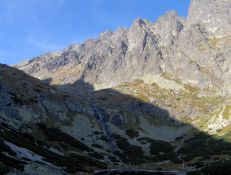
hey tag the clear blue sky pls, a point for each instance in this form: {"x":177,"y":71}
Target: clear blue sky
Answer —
{"x":31,"y":27}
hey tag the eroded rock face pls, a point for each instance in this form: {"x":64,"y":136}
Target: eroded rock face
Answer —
{"x":195,"y":51}
{"x":168,"y":27}
{"x":215,"y":15}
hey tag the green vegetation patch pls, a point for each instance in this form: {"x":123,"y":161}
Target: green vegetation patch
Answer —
{"x":227,"y":112}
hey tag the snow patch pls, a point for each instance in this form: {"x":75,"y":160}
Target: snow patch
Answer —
{"x":54,"y":150}
{"x":25,"y":153}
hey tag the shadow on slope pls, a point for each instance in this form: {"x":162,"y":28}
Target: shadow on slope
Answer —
{"x":114,"y":112}
{"x":78,"y":87}
{"x":200,"y":150}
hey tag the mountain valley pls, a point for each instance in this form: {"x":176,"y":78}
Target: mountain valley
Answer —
{"x":153,"y":96}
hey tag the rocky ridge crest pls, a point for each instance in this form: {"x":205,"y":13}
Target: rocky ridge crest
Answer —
{"x":194,"y":50}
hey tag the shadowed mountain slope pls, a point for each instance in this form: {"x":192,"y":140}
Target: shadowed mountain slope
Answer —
{"x":112,"y":129}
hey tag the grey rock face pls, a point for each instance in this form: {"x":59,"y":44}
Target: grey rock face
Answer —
{"x":168,"y":27}
{"x":195,"y":51}
{"x":215,"y":15}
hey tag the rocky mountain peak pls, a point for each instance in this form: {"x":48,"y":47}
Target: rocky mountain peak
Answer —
{"x":168,"y":27}
{"x":139,"y":22}
{"x":73,"y":47}
{"x":192,"y":50}
{"x":215,"y":15}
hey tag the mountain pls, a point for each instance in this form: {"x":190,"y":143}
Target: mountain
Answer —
{"x":47,"y":131}
{"x":155,"y":95}
{"x":192,"y":51}
{"x":30,"y":115}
